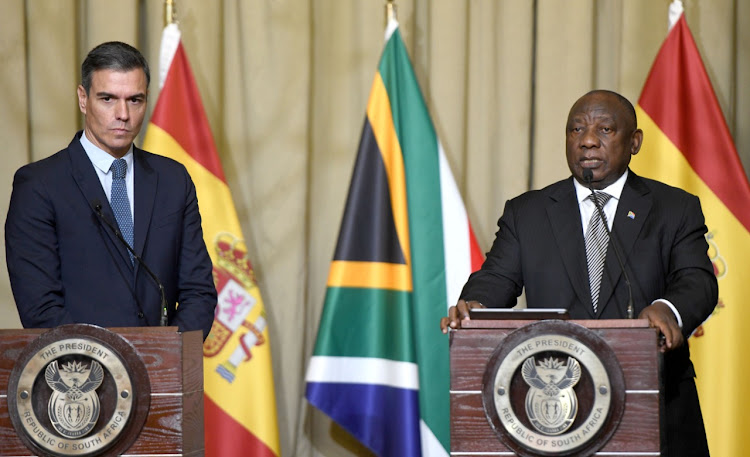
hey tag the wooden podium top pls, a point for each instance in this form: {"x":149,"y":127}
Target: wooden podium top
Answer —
{"x":588,"y":323}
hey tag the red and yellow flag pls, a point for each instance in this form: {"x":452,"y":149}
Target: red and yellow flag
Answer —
{"x":240,"y":404}
{"x":687,"y":144}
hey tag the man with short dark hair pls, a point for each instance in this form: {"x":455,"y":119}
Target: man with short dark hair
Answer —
{"x":542,"y":246}
{"x":72,"y":214}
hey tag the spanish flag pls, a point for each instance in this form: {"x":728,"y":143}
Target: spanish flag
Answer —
{"x":405,"y":248}
{"x":240,"y":405}
{"x":687,"y":144}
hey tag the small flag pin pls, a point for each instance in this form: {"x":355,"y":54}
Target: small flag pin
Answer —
{"x":631,"y":214}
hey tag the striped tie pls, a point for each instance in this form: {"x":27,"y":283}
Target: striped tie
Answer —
{"x":596,"y":247}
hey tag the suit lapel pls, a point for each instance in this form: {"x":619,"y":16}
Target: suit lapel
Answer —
{"x":146,"y":180}
{"x":632,"y":211}
{"x":88,"y":182}
{"x":565,"y":219}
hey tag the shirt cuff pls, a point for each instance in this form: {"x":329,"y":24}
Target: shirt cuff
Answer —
{"x":672,"y":307}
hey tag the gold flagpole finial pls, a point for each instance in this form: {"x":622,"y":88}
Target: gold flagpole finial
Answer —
{"x":390,"y":11}
{"x":169,"y":12}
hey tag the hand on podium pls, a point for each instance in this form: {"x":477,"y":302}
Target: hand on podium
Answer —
{"x":660,"y":316}
{"x":457,"y":314}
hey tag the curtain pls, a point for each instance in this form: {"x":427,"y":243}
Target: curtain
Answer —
{"x":285,"y":83}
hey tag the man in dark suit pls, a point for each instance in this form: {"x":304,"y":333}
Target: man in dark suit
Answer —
{"x":540,"y":246}
{"x":66,"y":261}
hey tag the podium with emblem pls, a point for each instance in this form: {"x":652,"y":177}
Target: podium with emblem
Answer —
{"x":81,"y":390}
{"x":555,"y":388}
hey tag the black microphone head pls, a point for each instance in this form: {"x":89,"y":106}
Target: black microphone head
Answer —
{"x":588,"y":175}
{"x":96,"y":204}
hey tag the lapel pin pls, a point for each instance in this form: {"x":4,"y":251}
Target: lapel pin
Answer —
{"x":631,"y":215}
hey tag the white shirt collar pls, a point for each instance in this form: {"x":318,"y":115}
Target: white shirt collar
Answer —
{"x":614,"y":189}
{"x":102,"y":159}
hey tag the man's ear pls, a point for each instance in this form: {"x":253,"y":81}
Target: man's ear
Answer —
{"x":636,"y":141}
{"x":82,"y":99}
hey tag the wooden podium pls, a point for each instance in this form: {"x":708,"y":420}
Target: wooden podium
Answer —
{"x":475,"y":428}
{"x":169,"y":419}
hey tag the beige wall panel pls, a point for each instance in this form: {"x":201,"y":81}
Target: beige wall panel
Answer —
{"x":203,"y":37}
{"x":510,"y":157}
{"x":498,"y":111}
{"x":712,"y":24}
{"x":150,"y":32}
{"x":741,"y":125}
{"x":643,"y":32}
{"x":14,"y":119}
{"x":564,"y":73}
{"x":264,"y":138}
{"x":608,"y":26}
{"x":109,"y":20}
{"x":480,"y":184}
{"x":414,"y":21}
{"x":444,"y":78}
{"x":52,"y":45}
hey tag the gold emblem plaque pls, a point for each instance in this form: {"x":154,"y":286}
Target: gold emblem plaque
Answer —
{"x":78,"y":390}
{"x":553,"y":388}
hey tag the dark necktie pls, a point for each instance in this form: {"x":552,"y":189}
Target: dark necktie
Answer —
{"x":120,"y":203}
{"x":596,"y":247}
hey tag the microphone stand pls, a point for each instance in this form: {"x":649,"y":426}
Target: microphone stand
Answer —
{"x":164,"y":318}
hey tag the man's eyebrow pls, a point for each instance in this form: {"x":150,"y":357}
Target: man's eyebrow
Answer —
{"x":110,"y":95}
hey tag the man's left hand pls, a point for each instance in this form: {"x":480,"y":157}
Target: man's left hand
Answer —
{"x":660,"y":316}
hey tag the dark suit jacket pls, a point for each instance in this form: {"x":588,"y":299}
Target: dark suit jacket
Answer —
{"x":540,"y":246}
{"x":66,"y":266}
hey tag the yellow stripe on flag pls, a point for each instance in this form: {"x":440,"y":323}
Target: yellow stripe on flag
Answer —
{"x":381,"y":119}
{"x":255,"y":408}
{"x":376,"y":275}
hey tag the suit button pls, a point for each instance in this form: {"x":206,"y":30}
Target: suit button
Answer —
{"x":140,"y":315}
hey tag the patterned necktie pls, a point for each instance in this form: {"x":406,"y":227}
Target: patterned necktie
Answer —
{"x":596,"y":247}
{"x":120,"y":203}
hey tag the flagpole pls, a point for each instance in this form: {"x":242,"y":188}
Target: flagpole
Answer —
{"x":391,"y":21}
{"x":390,"y":11}
{"x":169,"y":12}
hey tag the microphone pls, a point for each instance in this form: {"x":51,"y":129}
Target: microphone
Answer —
{"x":163,"y":321}
{"x":588,"y":176}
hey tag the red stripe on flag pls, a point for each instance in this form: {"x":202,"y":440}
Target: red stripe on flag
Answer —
{"x":225,"y":436}
{"x":179,"y":112}
{"x":477,"y":258}
{"x":679,"y":97}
